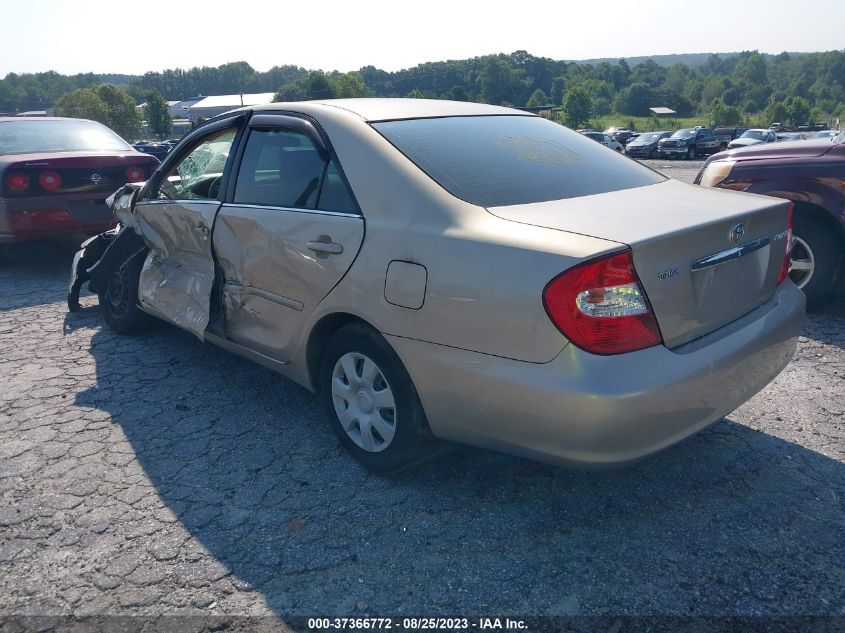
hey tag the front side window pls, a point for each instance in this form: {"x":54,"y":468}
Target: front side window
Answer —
{"x":197,"y":176}
{"x":494,"y":161}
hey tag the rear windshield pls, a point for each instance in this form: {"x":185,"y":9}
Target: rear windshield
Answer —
{"x":28,"y":136}
{"x":495,"y":161}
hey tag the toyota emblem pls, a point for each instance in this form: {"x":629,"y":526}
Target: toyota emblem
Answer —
{"x":736,"y":233}
{"x":96,"y":178}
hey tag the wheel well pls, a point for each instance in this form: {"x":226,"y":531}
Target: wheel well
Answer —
{"x":319,"y":338}
{"x":817,"y":214}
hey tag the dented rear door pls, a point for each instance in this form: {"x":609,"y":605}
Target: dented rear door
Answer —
{"x":289,"y":234}
{"x":176,"y":218}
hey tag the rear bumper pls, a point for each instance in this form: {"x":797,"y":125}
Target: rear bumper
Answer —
{"x":36,"y":218}
{"x":582,"y":409}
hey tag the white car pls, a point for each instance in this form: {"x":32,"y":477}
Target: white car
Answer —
{"x":753,"y":137}
{"x":604,"y":139}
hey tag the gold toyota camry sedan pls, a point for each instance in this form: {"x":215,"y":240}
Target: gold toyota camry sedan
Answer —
{"x":467,"y":272}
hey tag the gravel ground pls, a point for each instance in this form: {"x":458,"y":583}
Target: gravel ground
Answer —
{"x":156,"y":475}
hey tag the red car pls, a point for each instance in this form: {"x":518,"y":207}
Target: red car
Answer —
{"x":56,"y":173}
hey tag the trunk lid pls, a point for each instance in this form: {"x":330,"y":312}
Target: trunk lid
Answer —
{"x":92,"y":173}
{"x":696,"y":278}
{"x":781,"y":149}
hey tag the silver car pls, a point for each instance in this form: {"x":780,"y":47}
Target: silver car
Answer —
{"x":459,"y":271}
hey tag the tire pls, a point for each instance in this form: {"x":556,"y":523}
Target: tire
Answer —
{"x":382,"y":438}
{"x":691,"y":153}
{"x":820,"y":249}
{"x":119,"y":299}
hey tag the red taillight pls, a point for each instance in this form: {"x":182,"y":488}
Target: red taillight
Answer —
{"x":787,"y":258}
{"x":135,"y":174}
{"x":17,"y":181}
{"x":600,"y":306}
{"x":49,"y":180}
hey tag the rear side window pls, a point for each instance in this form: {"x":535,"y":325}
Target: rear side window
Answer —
{"x":494,"y":161}
{"x":283,"y":168}
{"x":279,"y":168}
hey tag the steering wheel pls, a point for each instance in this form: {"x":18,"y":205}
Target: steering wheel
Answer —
{"x":214,"y":187}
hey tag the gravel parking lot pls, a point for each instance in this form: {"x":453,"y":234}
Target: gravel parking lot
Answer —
{"x":157,"y":475}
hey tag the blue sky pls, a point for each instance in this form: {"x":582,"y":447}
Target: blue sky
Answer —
{"x":128,"y":37}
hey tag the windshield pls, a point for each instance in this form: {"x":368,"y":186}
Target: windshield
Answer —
{"x":496,"y":161}
{"x":685,"y":133}
{"x":648,"y":137}
{"x":57,"y":135}
{"x":758,"y":135}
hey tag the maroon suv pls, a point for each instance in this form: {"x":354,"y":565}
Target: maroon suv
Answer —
{"x":56,"y":173}
{"x":812,"y":175}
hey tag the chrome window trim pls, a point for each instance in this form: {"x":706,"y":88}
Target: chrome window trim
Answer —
{"x":343,"y":214}
{"x":180,"y":201}
{"x":732,"y":253}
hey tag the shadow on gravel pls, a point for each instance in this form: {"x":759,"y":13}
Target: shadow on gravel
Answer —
{"x":828,"y":326}
{"x":42,"y":265}
{"x":731,"y":521}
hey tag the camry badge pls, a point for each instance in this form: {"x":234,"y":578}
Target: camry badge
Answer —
{"x":96,"y":178}
{"x":736,"y":233}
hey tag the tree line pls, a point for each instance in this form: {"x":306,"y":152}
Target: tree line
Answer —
{"x":787,"y":87}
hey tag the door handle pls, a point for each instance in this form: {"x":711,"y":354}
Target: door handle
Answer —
{"x":326,"y":247}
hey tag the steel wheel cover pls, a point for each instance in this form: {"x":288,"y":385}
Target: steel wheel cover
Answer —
{"x":364,"y":402}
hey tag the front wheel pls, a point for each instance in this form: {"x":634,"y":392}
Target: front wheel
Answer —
{"x":371,"y":401}
{"x":119,"y":299}
{"x":816,"y":258}
{"x":691,"y":153}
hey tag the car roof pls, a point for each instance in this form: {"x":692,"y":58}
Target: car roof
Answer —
{"x":6,"y":119}
{"x":389,"y":109}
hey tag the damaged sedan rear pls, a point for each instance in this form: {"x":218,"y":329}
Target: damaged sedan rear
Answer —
{"x":457,"y":271}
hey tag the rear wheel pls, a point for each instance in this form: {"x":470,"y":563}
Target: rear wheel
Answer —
{"x":119,"y":299}
{"x":371,"y":402}
{"x":816,"y":258}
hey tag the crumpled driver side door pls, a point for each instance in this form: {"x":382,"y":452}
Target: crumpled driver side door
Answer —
{"x":175,"y":218}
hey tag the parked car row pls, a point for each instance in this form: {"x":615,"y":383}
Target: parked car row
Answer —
{"x":159,"y":149}
{"x":691,"y":143}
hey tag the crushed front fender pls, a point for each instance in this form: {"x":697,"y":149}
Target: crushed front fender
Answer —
{"x":89,"y":253}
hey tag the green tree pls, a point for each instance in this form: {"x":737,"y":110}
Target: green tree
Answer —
{"x":122,"y":112}
{"x":776,"y":112}
{"x":350,"y":85}
{"x":320,"y":85}
{"x":291,"y":92}
{"x":158,"y":116}
{"x":721,"y":114}
{"x":416,"y":93}
{"x":558,"y":88}
{"x":83,"y":103}
{"x":799,"y":110}
{"x":110,"y":105}
{"x":538,"y":98}
{"x":636,"y":99}
{"x":577,"y":107}
{"x":457,"y":93}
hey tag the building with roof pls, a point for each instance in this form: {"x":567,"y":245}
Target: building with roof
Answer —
{"x":212,"y":106}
